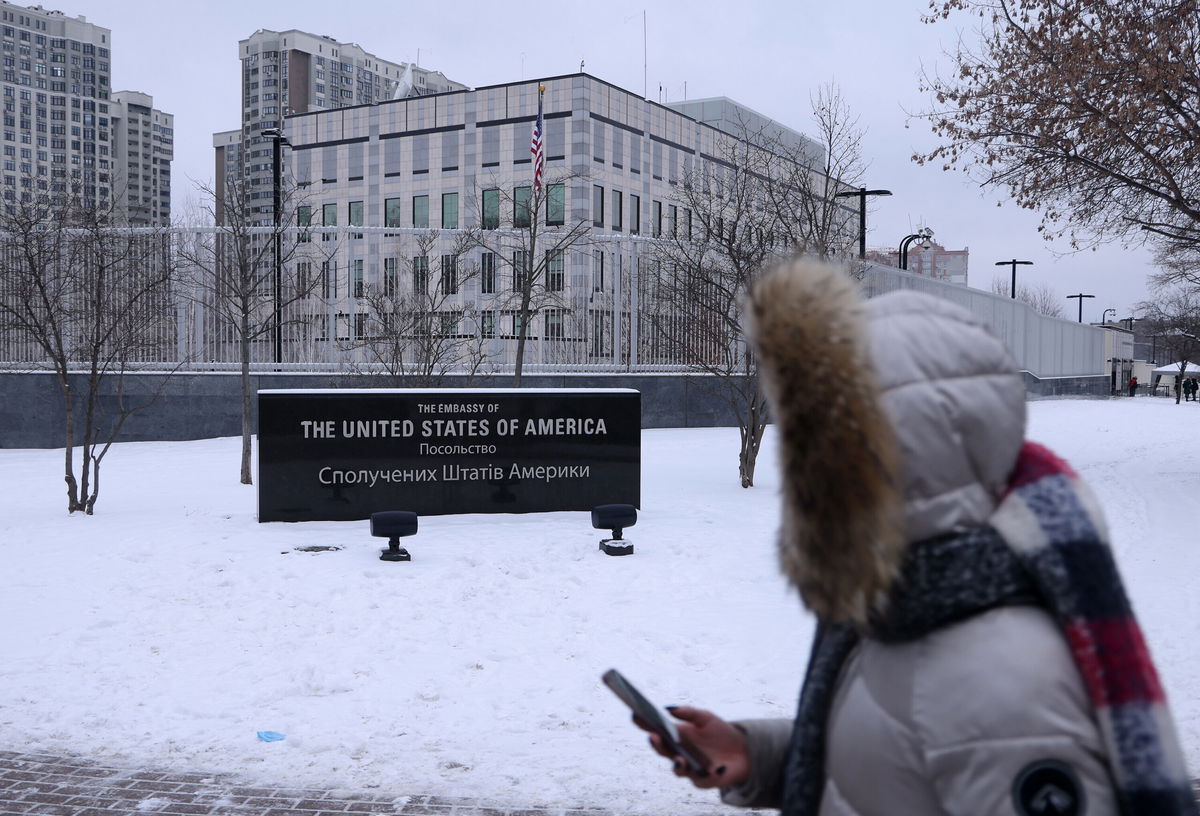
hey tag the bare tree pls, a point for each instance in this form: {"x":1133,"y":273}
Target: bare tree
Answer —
{"x":1084,"y":109}
{"x":530,"y":233}
{"x":765,"y":197}
{"x":415,"y":328}
{"x":233,"y":272}
{"x":1042,"y":298}
{"x":88,"y":300}
{"x":1172,"y":317}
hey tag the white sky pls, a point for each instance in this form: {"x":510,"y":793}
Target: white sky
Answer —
{"x":767,"y":54}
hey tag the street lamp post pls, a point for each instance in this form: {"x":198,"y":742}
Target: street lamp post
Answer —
{"x":924,"y":235}
{"x":1080,"y":296}
{"x":1104,"y":315}
{"x":862,"y":193}
{"x":279,"y":140}
{"x":1014,"y":263}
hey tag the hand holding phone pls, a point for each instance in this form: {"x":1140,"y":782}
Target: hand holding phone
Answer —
{"x":657,"y":721}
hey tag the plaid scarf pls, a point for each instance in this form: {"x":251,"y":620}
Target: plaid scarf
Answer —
{"x":1046,"y":544}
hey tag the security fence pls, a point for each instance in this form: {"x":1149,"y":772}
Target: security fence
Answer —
{"x":431,"y":303}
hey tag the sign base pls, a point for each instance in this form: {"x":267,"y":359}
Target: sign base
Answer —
{"x":616,"y":546}
{"x":400,"y":554}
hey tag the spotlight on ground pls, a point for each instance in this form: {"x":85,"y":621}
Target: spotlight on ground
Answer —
{"x":394,"y":525}
{"x":615,"y":517}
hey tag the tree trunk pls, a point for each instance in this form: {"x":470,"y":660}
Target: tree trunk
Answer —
{"x":751,"y":434}
{"x":69,"y":447}
{"x":522,"y":334}
{"x":247,"y":477}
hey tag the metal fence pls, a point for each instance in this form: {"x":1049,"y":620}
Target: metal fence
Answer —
{"x":601,"y":307}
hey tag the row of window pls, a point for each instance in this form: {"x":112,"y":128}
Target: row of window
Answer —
{"x":445,"y":324}
{"x":554,"y":272}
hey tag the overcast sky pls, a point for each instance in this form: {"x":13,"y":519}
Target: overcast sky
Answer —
{"x":768,"y":54}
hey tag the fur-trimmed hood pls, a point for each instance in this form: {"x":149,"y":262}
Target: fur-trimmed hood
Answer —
{"x":899,"y":418}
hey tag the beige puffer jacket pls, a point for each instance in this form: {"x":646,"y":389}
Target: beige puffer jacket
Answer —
{"x":947,"y":723}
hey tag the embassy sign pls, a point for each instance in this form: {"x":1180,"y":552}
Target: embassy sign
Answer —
{"x":342,"y":454}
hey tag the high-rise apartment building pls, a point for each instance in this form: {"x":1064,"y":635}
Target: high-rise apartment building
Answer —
{"x":289,"y":72}
{"x":143,"y":147}
{"x":60,"y":127}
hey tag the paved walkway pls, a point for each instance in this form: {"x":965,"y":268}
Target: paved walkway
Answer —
{"x":60,"y":786}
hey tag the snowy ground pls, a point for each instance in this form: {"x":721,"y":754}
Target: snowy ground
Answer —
{"x":171,"y":627}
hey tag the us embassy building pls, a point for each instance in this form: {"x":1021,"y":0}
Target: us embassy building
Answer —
{"x":426,"y":200}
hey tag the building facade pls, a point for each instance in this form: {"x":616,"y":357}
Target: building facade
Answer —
{"x":293,"y":72}
{"x":390,"y":190}
{"x":65,"y":133}
{"x":143,"y":147}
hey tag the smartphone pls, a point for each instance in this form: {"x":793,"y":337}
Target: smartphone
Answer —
{"x":657,"y":721}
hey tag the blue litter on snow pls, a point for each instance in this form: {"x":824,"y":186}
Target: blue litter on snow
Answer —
{"x":270,"y":736}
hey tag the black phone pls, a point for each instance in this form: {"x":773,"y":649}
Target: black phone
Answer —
{"x":657,"y":721}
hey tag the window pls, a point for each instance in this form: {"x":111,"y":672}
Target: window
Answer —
{"x":517,"y":323}
{"x":597,"y":205}
{"x":672,"y":220}
{"x":449,"y":321}
{"x":520,"y":266}
{"x":449,"y":210}
{"x":487,"y":324}
{"x":554,"y":270}
{"x":449,"y":274}
{"x":392,"y":216}
{"x":421,"y":275}
{"x":617,"y":210}
{"x":390,"y":277}
{"x":329,"y":219}
{"x":491,"y":209}
{"x":597,"y":270}
{"x":360,"y":326}
{"x":328,"y":279}
{"x":303,"y":273}
{"x":635,"y":214}
{"x":487,"y":273}
{"x":656,"y":219}
{"x":556,"y":205}
{"x":554,"y":323}
{"x":521,"y":214}
{"x":687,"y":224}
{"x":355,"y":216}
{"x":358,"y":279}
{"x":421,"y":211}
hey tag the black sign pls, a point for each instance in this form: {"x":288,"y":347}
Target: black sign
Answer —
{"x":339,"y":455}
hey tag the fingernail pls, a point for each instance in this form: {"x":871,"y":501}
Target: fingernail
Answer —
{"x":678,"y":764}
{"x":672,"y":709}
{"x":720,"y":770}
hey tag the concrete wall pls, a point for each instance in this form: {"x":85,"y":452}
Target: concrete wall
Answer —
{"x":207,"y":405}
{"x":203,"y":406}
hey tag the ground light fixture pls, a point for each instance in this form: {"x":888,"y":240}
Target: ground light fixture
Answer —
{"x":394,"y":525}
{"x":615,"y":517}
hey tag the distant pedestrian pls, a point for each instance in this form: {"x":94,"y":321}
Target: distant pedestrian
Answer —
{"x":1178,"y":385}
{"x":1193,"y":386}
{"x":1133,"y":384}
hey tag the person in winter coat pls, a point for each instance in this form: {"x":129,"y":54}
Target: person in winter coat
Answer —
{"x":975,"y":651}
{"x":1133,"y":384}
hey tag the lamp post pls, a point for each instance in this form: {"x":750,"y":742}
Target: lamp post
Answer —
{"x":1104,"y":315}
{"x":279,"y":140}
{"x":924,"y":235}
{"x":1014,"y":263}
{"x":1080,"y":296}
{"x":862,"y":193}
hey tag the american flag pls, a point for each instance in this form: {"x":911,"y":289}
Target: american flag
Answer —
{"x":535,"y":146}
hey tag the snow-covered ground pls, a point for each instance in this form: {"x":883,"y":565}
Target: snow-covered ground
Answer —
{"x":171,"y":627}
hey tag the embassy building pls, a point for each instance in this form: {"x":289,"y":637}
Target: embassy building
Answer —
{"x":397,"y":194}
